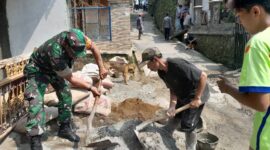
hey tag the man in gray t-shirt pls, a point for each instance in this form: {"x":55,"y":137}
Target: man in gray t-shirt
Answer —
{"x":167,"y":25}
{"x":187,"y":85}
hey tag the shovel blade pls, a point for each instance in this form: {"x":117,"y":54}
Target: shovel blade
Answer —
{"x":102,"y":144}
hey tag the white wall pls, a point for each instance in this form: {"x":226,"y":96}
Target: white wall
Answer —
{"x":32,"y":22}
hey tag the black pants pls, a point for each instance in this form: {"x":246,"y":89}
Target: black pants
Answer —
{"x":144,"y":8}
{"x":189,"y":118}
{"x":136,"y":7}
{"x":182,"y":23}
{"x":167,"y":33}
{"x":140,"y":33}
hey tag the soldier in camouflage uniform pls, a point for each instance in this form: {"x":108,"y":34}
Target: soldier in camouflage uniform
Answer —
{"x":51,"y":63}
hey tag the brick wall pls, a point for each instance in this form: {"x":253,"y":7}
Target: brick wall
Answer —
{"x":120,"y":19}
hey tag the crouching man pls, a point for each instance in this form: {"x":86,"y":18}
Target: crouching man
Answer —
{"x":187,"y":84}
{"x":51,"y":63}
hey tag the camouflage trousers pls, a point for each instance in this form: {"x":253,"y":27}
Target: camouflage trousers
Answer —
{"x":34,"y":93}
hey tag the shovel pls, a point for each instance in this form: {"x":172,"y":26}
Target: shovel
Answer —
{"x":91,"y":117}
{"x":136,"y":61}
{"x":144,"y":124}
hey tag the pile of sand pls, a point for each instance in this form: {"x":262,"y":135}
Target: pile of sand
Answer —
{"x":134,"y":108}
{"x":131,"y":108}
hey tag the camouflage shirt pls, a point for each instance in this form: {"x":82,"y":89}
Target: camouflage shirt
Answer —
{"x":51,"y":57}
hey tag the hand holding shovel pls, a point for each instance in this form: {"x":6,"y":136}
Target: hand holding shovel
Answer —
{"x":144,"y":124}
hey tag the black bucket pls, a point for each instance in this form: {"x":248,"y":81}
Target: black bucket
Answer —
{"x":206,"y":141}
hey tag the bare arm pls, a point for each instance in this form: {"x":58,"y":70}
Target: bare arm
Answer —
{"x":81,"y":84}
{"x":257,"y":101}
{"x":173,"y":102}
{"x":202,"y":84}
{"x":173,"y":99}
{"x":95,"y":51}
{"x":196,"y":102}
{"x":97,"y":56}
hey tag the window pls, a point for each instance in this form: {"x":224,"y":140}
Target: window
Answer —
{"x":93,"y":18}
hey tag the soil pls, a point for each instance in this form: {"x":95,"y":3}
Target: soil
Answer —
{"x":131,"y":108}
{"x":134,"y":108}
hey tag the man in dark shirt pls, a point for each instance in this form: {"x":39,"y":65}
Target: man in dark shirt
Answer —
{"x":139,"y":23}
{"x":187,"y":84}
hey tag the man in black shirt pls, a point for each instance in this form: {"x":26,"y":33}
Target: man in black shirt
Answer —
{"x":187,"y":84}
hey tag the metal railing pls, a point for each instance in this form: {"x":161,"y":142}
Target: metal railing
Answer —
{"x":241,"y":38}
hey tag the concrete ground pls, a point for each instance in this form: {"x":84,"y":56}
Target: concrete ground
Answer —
{"x":224,"y":117}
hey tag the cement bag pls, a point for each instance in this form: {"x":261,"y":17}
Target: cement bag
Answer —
{"x":77,"y":74}
{"x":51,"y":113}
{"x":77,"y":95}
{"x":118,"y":59}
{"x":84,"y":76}
{"x":103,"y":105}
{"x":90,"y":70}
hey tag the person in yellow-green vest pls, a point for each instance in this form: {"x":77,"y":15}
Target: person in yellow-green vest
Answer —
{"x":254,"y":85}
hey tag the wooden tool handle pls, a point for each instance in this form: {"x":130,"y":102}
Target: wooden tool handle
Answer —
{"x":187,"y":106}
{"x":91,"y":117}
{"x":178,"y":110}
{"x":136,"y":61}
{"x":143,"y":124}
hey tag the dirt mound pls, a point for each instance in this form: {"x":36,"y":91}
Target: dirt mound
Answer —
{"x":131,"y":108}
{"x":134,"y":108}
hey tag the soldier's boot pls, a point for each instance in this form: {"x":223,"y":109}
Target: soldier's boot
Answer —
{"x":36,"y":142}
{"x":65,"y":131}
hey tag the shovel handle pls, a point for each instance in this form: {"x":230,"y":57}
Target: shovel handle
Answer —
{"x":143,"y":124}
{"x":187,"y":106}
{"x":178,"y":110}
{"x":92,"y":114}
{"x":136,"y":61}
